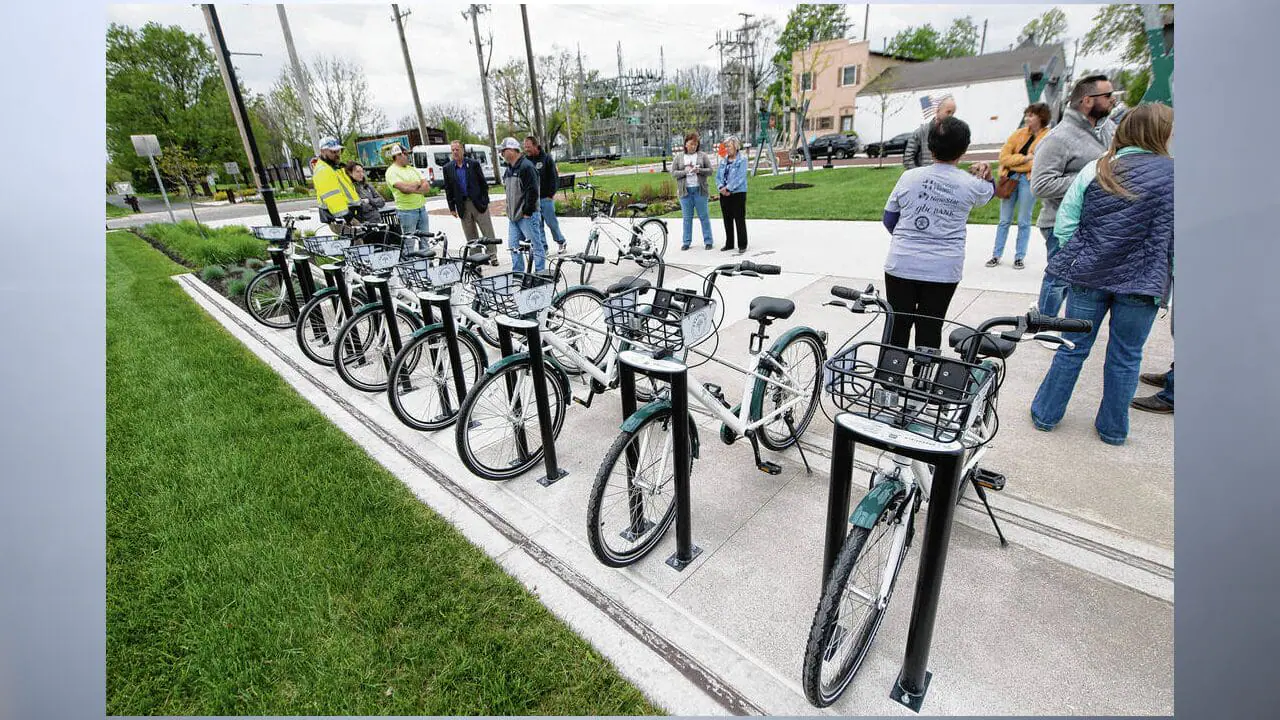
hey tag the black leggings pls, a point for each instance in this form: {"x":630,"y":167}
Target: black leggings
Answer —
{"x":922,"y":298}
{"x":734,"y":209}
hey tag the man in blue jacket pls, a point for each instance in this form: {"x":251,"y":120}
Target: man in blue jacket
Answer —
{"x":468,"y":196}
{"x":523,"y":214}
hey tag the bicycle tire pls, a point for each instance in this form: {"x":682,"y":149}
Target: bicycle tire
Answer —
{"x":584,"y":274}
{"x":648,"y":529}
{"x":363,"y":342}
{"x":653,"y":232}
{"x":776,"y":436}
{"x":319,"y":348}
{"x":584,"y":306}
{"x":825,"y":627}
{"x":268,"y":312}
{"x":490,"y":394}
{"x":440,"y":384}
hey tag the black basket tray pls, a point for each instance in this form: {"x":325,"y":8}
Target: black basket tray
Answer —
{"x":514,"y":294}
{"x":671,"y":321}
{"x":929,"y":395}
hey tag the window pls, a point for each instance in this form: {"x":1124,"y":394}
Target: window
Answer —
{"x":808,"y":123}
{"x":848,"y":75}
{"x":825,"y":123}
{"x":806,"y":82}
{"x":846,"y":123}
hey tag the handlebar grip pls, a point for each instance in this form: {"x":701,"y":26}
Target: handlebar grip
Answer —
{"x":748,"y":266}
{"x":593,"y":259}
{"x":1066,"y":325}
{"x":488,"y":241}
{"x":845,"y":293}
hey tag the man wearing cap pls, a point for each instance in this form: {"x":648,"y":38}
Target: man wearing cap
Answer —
{"x":409,"y":190}
{"x":523,"y":214}
{"x":335,"y":192}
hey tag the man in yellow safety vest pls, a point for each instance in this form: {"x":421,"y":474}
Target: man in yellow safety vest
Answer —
{"x":334,"y":190}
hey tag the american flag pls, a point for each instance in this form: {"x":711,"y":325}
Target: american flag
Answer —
{"x":929,"y":105}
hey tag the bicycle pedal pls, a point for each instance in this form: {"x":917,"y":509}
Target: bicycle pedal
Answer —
{"x":769,"y":468}
{"x":988,"y":479}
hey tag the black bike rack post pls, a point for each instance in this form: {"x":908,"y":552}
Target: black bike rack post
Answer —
{"x":913,"y":679}
{"x":380,"y":287}
{"x":533,"y":340}
{"x":306,"y":283}
{"x":441,"y":304}
{"x":677,"y":377}
{"x":282,"y":264}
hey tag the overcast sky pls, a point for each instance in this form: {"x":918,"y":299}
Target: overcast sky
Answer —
{"x":444,"y":59}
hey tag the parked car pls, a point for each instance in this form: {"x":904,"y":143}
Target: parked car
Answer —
{"x":841,"y":146}
{"x":896,"y":145}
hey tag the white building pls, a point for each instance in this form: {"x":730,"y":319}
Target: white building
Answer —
{"x":990,"y":92}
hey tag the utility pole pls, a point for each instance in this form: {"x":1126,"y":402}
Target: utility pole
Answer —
{"x":983,"y":46}
{"x":866,"y":20}
{"x":474,"y":13}
{"x":622,"y":106}
{"x":533,"y":77}
{"x":300,"y":80}
{"x":238,"y":111}
{"x":746,"y":56}
{"x":720,"y":82}
{"x":408,"y":66}
{"x":582,"y":101}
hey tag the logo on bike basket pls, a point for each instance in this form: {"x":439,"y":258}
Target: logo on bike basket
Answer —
{"x":534,"y":299}
{"x":384,"y":260}
{"x":445,"y":274}
{"x":698,"y":324}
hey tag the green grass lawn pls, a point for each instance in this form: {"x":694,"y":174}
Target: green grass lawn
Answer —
{"x":568,"y":167}
{"x":839,"y":194}
{"x":260,"y":563}
{"x":229,"y":244}
{"x":115,"y":211}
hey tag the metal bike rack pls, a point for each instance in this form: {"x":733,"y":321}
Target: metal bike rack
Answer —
{"x":538,"y":371}
{"x":441,"y":303}
{"x":282,"y":264}
{"x":677,"y":375}
{"x":380,"y":286}
{"x":913,"y":679}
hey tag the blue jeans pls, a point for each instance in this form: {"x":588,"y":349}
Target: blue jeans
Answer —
{"x":1131,"y":319}
{"x":1167,"y":393}
{"x":695,"y":200}
{"x":1052,"y":290}
{"x":413,"y":220}
{"x":530,"y":229}
{"x":548,"y":207}
{"x":1023,"y":200}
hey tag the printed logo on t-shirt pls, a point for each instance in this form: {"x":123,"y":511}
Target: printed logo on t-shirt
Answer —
{"x":922,"y":222}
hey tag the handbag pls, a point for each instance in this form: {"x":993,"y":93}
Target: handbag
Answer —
{"x":1007,"y":186}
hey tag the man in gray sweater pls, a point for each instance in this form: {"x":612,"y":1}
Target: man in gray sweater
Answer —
{"x":917,"y":153}
{"x":1081,"y":136}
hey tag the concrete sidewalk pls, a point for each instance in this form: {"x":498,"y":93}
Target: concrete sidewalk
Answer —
{"x":1074,"y":617}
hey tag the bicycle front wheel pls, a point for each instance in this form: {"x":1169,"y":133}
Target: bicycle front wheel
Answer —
{"x":498,"y":434}
{"x":850,"y":611}
{"x":652,"y":235}
{"x":362,"y":350}
{"x":267,"y":301}
{"x":633,"y":499}
{"x":421,"y":389}
{"x":318,"y":324}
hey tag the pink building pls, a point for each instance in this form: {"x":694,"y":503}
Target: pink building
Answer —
{"x":829,"y":75}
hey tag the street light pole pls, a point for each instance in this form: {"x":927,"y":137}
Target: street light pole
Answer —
{"x":241,"y":115}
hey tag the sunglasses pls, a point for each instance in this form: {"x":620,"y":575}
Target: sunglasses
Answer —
{"x":1105,"y":94}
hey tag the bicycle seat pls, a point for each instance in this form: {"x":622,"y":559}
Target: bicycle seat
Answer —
{"x":480,"y":258}
{"x":765,"y":308}
{"x":419,"y":254}
{"x":638,"y":207}
{"x":991,"y":346}
{"x":627,"y":283}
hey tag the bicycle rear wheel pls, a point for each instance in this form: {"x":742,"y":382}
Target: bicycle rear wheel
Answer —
{"x":498,"y":432}
{"x":574,"y":315}
{"x":267,"y":301}
{"x":593,"y":244}
{"x":849,"y":615}
{"x":801,"y":359}
{"x":652,"y":234}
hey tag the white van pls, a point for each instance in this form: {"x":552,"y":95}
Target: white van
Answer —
{"x":431,"y":160}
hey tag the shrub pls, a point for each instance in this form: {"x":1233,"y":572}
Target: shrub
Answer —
{"x":384,"y":190}
{"x":220,"y":195}
{"x":236,"y":287}
{"x":213,"y":272}
{"x":228,"y":245}
{"x":254,"y":264}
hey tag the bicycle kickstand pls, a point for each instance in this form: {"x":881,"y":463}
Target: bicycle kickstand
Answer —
{"x":982,"y":494}
{"x":791,"y":428}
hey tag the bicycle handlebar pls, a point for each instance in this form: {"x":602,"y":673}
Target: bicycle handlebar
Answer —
{"x":1039,"y":323}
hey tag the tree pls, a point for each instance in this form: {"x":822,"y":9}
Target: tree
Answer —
{"x":340,"y":95}
{"x":164,"y":81}
{"x":885,"y":106}
{"x":927,"y":43}
{"x":806,"y":25}
{"x":513,"y":103}
{"x":1120,"y":27}
{"x":1049,"y":28}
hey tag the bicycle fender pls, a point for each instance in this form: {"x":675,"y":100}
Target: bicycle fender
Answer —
{"x":757,"y":394}
{"x":644,"y":412}
{"x":484,"y":357}
{"x":874,"y":502}
{"x":558,"y":375}
{"x":325,"y":291}
{"x":594,"y":291}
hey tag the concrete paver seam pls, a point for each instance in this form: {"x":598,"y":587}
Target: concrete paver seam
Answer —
{"x":688,"y":666}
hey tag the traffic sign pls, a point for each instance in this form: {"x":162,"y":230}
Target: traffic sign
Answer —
{"x":146,"y":145}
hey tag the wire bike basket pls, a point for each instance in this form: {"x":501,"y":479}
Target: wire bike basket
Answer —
{"x":443,"y":275}
{"x":276,"y":235}
{"x":514,"y":294}
{"x":932,"y":396}
{"x":675,"y":320}
{"x":327,"y":245}
{"x":372,"y":259}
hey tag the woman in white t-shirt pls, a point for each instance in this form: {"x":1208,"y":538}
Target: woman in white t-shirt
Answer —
{"x":690,"y":171}
{"x":927,"y":213}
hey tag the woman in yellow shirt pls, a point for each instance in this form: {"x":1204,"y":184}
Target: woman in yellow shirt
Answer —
{"x":1015,"y":162}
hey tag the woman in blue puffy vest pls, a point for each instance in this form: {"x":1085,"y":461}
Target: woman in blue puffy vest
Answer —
{"x":1115,"y":231}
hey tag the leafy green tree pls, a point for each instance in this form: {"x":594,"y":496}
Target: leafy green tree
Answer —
{"x":927,"y":43}
{"x":164,"y":81}
{"x":961,"y":39}
{"x":1120,"y":28}
{"x":1050,"y":27}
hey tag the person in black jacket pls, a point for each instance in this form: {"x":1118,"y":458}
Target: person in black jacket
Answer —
{"x":468,"y":195}
{"x":548,"y":183}
{"x":523,"y":215}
